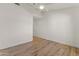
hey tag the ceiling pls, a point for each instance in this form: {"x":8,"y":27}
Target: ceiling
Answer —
{"x":53,"y":6}
{"x":34,"y":7}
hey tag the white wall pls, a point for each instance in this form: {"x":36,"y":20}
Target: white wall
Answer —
{"x":76,"y":27}
{"x":61,"y":26}
{"x":15,"y":25}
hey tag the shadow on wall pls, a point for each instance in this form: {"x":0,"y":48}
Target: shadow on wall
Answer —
{"x":56,"y":27}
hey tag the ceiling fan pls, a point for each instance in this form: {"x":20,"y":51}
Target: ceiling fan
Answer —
{"x":41,"y":7}
{"x":18,"y":4}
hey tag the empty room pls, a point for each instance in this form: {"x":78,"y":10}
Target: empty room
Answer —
{"x":39,"y":29}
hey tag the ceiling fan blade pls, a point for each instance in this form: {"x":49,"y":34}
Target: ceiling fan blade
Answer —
{"x":18,"y":4}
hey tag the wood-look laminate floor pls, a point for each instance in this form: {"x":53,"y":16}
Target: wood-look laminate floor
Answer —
{"x":40,"y":47}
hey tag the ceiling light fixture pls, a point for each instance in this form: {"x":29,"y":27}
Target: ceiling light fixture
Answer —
{"x":41,"y":7}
